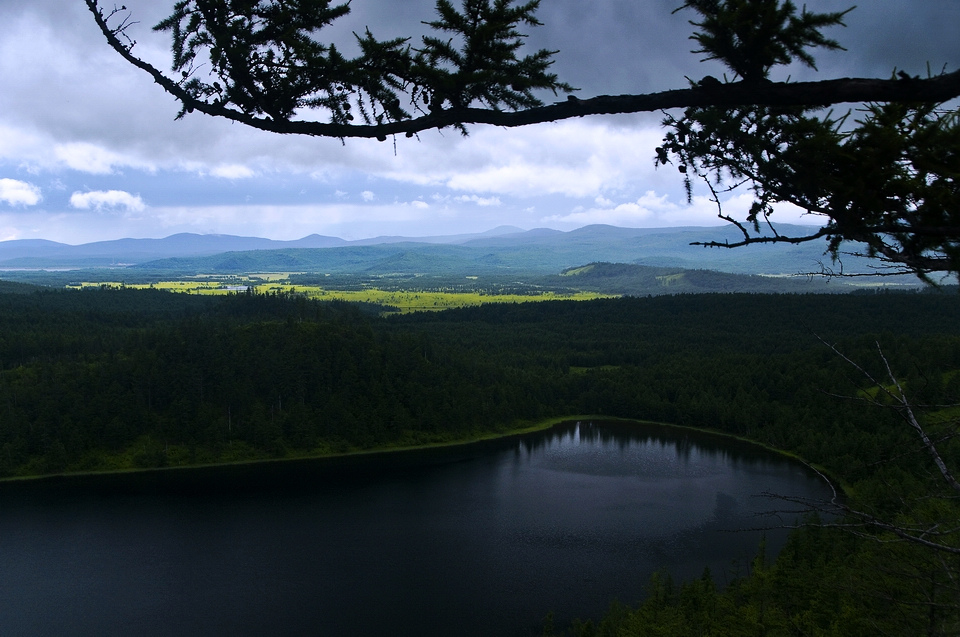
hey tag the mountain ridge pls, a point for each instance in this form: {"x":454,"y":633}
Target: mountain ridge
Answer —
{"x":502,"y":249}
{"x":128,"y":251}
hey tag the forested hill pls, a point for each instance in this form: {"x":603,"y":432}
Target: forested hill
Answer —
{"x":638,"y":280}
{"x":90,"y":374}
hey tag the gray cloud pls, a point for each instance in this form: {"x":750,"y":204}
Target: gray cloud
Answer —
{"x":71,"y":86}
{"x":70,"y":103}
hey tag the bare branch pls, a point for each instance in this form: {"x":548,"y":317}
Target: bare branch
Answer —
{"x":865,"y":524}
{"x":933,"y":535}
{"x":906,"y":412}
{"x":751,"y":240}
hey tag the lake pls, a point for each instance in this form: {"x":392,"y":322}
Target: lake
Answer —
{"x":481,"y":539}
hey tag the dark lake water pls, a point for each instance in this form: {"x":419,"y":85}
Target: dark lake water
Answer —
{"x":483,"y":539}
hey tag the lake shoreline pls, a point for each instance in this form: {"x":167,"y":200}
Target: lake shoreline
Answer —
{"x":475,"y":539}
{"x":516,"y":432}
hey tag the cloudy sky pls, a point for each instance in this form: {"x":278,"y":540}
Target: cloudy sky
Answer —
{"x":90,"y":149}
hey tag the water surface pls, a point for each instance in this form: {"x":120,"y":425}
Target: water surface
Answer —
{"x":483,"y":539}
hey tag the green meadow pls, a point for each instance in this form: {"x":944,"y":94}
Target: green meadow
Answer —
{"x":397,"y":300}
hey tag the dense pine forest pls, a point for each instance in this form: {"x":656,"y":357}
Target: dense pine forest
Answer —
{"x":113,"y":379}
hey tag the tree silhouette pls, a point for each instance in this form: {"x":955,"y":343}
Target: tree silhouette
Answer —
{"x":885,"y":180}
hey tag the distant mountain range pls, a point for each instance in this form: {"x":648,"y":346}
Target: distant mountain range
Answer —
{"x":39,"y":253}
{"x":501,"y":250}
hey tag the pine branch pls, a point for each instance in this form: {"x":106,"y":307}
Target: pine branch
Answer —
{"x":801,"y":94}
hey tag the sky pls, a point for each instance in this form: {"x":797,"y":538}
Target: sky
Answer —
{"x":90,"y":148}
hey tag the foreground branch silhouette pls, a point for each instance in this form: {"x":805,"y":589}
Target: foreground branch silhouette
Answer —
{"x":807,"y":94}
{"x":886,"y":184}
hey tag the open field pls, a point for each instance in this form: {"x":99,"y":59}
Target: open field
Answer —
{"x":398,"y":300}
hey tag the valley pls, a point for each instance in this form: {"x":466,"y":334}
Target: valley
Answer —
{"x":119,"y":375}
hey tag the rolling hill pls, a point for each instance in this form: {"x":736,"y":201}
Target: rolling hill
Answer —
{"x":534,"y":251}
{"x":665,"y":254}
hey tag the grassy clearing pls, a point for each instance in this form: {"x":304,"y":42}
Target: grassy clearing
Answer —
{"x":584,"y":370}
{"x":402,"y":300}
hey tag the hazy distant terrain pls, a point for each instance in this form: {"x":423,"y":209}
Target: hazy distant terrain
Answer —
{"x":38,"y":253}
{"x":541,"y":250}
{"x":657,"y":258}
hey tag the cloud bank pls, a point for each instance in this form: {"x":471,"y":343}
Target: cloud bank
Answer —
{"x":107,"y":200}
{"x":19,"y":193}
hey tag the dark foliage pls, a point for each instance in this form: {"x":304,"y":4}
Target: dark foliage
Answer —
{"x":889,"y":181}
